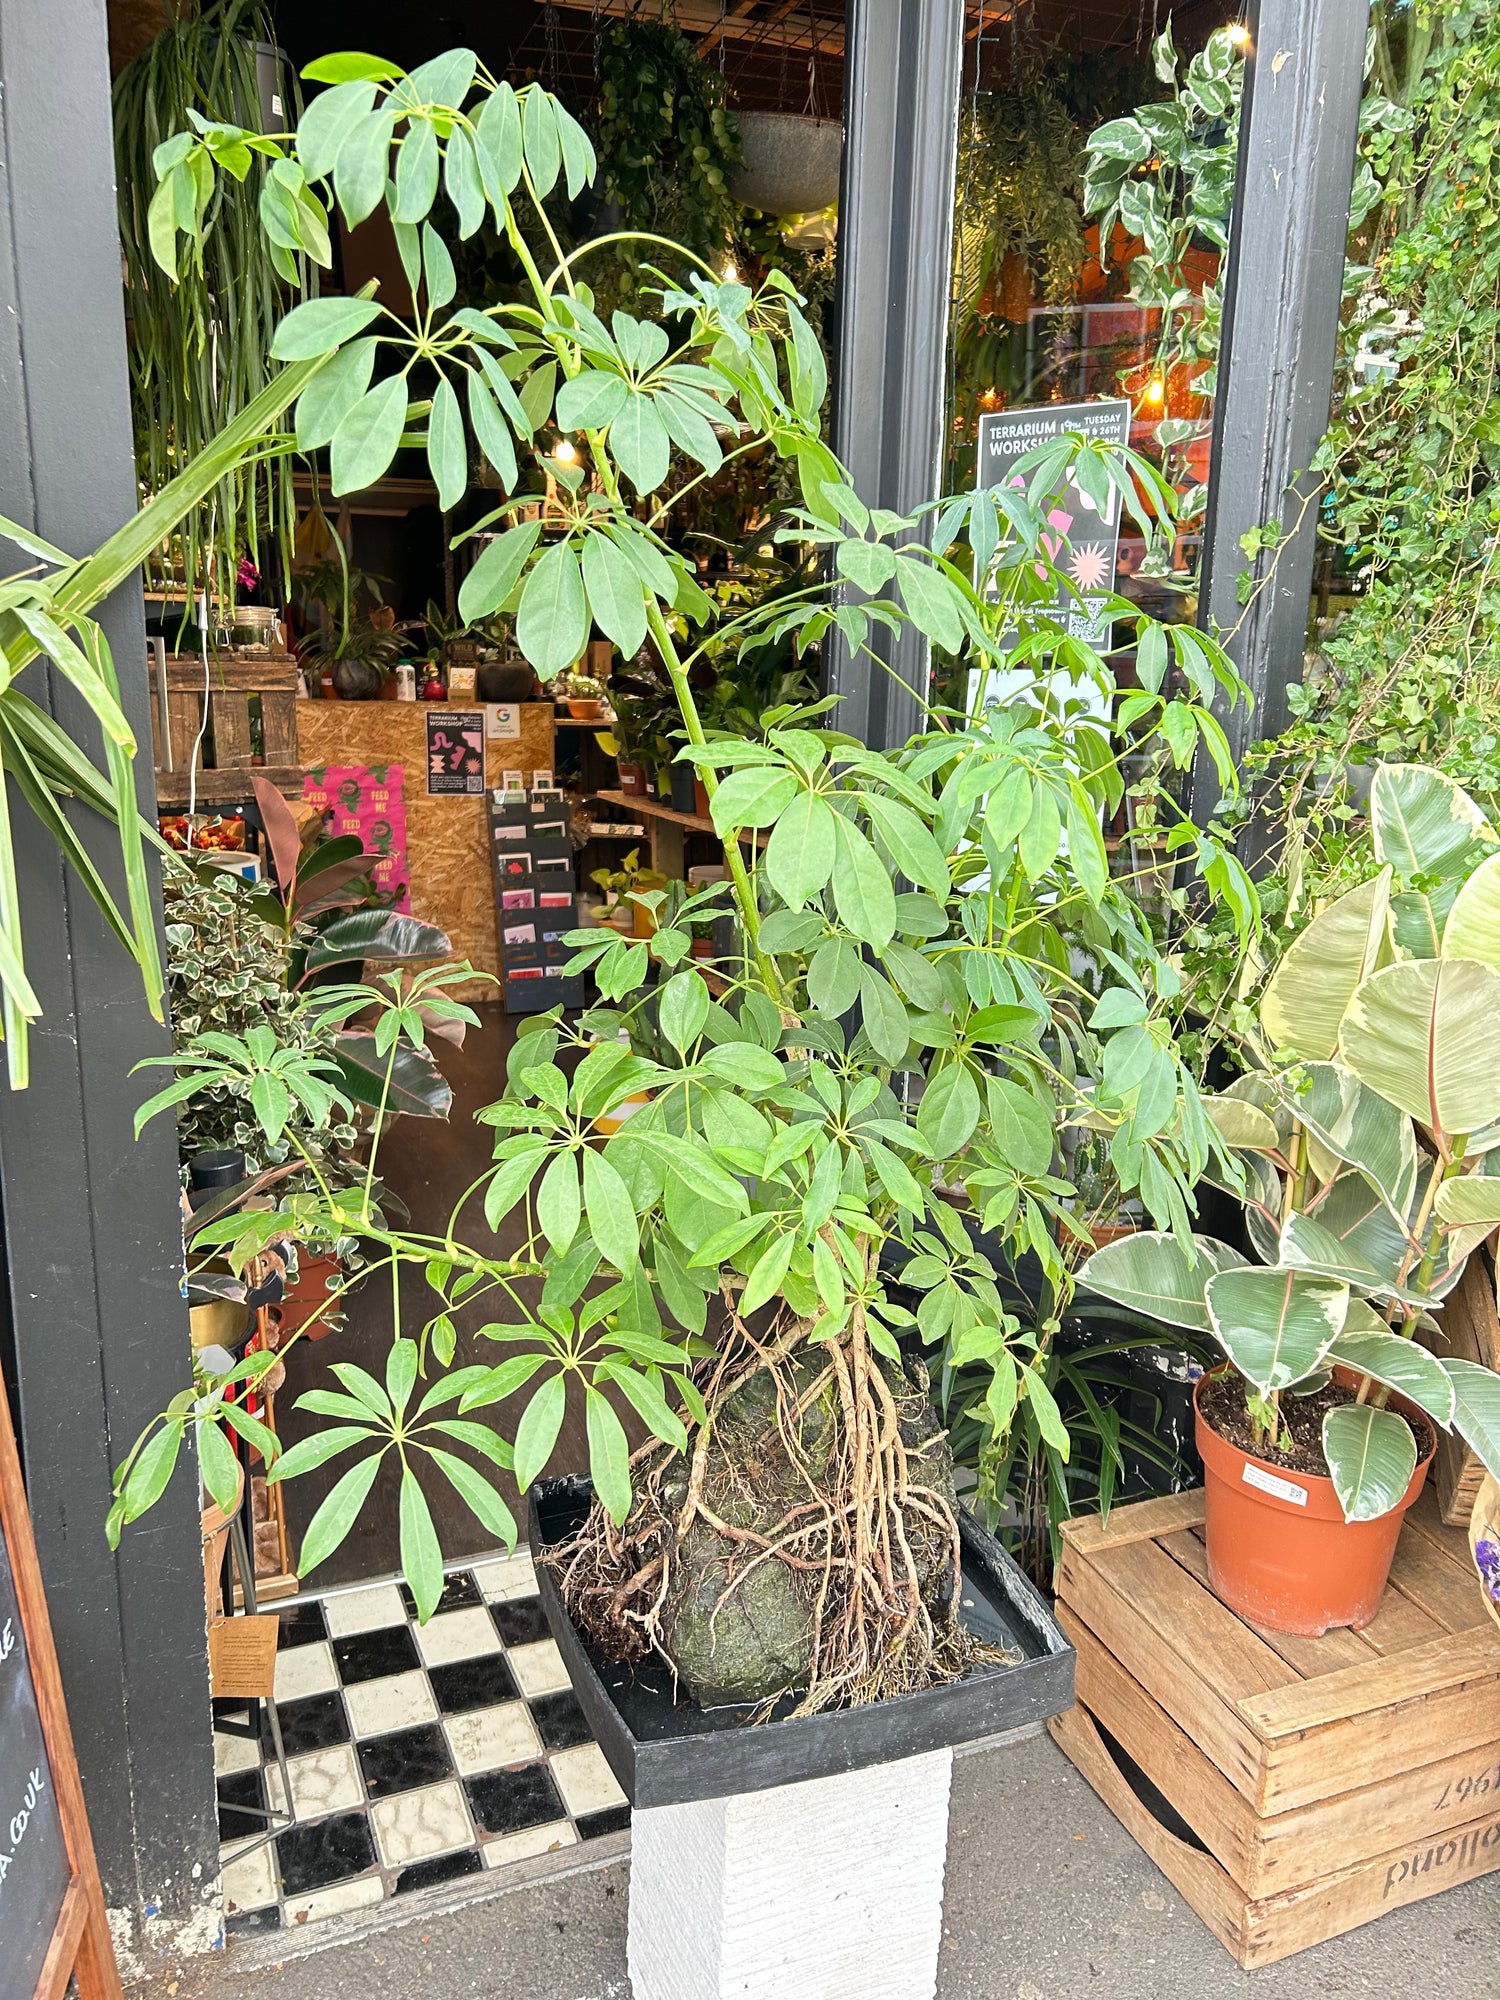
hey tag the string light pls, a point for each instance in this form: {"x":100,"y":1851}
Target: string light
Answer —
{"x":1155,"y":389}
{"x":1238,"y":33}
{"x":564,"y":451}
{"x":731,"y":273}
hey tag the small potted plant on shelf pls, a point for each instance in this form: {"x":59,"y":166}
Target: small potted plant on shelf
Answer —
{"x":632,"y":894}
{"x":584,"y":695}
{"x":1368,"y":1142}
{"x":349,"y":646}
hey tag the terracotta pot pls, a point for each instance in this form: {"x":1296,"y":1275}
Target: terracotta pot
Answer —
{"x":633,"y":779}
{"x":1110,"y":1232}
{"x":1280,"y":1552}
{"x":387,"y":689}
{"x":609,"y":1122}
{"x":309,"y":1302}
{"x":700,"y":798}
{"x":702,"y":948}
{"x":215,"y":1528}
{"x":585,"y":711}
{"x":643,"y":921}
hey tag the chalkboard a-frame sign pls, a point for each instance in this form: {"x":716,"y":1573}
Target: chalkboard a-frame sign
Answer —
{"x":52,"y":1922}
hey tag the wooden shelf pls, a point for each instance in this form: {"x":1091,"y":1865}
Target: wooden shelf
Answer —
{"x":246,"y":673}
{"x":637,"y":802}
{"x":216,"y":789}
{"x":585,"y":721}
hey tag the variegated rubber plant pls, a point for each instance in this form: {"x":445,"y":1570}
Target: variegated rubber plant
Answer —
{"x":1370,"y":1140}
{"x":937,"y":970}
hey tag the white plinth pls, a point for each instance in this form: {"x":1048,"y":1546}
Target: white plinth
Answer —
{"x":830,"y":1890}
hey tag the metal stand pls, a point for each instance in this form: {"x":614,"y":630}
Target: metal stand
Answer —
{"x":239,"y":1557}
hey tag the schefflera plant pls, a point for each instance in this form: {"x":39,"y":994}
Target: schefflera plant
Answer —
{"x":1370,"y":1142}
{"x":938,"y":971}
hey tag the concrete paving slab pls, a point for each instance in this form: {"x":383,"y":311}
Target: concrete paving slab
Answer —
{"x":1048,"y":1899}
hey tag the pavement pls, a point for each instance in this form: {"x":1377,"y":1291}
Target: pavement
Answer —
{"x":1048,"y":1898}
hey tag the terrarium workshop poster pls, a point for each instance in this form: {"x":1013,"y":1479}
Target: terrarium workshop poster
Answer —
{"x":368,"y":800}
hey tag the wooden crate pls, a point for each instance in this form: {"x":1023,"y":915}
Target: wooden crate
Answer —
{"x":1468,"y":1326}
{"x":223,"y":777}
{"x":1323,"y":1781}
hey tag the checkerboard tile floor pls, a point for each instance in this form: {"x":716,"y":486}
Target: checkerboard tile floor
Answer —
{"x":417,"y":1753}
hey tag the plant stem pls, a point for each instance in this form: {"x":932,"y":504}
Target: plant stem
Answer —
{"x":744,"y":890}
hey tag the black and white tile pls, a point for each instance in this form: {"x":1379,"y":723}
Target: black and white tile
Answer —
{"x":416,"y":1754}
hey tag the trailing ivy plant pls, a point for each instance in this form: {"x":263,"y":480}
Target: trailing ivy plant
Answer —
{"x":937,"y":976}
{"x":1164,"y":173}
{"x":1412,"y":668}
{"x":200,"y":336}
{"x":667,"y":142}
{"x":1409,"y":670}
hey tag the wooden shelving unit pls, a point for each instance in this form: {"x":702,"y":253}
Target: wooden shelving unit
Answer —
{"x":231,"y":682}
{"x":668,"y":828}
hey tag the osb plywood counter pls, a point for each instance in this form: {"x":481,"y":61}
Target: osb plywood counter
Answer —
{"x":447,"y":837}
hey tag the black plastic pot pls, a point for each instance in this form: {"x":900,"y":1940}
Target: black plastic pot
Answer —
{"x":684,"y":799}
{"x":355,"y":681}
{"x":223,"y":1168}
{"x":505,"y":680}
{"x":665,"y":1751}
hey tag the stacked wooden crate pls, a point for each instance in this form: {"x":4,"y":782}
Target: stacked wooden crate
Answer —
{"x":225,"y":750}
{"x":1467,"y":1327}
{"x":1299,"y":1787}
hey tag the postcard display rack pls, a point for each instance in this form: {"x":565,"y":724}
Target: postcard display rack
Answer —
{"x":534,"y":898}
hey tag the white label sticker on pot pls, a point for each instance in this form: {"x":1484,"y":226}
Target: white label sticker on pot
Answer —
{"x":1284,"y":1489}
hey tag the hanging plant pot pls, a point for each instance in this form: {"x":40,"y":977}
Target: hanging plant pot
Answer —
{"x":1280,"y":1552}
{"x":791,"y":164}
{"x":1016,"y":288}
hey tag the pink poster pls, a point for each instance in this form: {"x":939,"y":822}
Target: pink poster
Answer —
{"x":368,"y":800}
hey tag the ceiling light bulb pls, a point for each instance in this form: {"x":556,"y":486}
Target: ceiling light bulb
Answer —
{"x":564,"y":451}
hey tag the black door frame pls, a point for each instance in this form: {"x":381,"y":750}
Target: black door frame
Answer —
{"x":96,"y":1328}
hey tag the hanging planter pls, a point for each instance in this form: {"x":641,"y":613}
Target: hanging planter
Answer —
{"x":791,"y":164}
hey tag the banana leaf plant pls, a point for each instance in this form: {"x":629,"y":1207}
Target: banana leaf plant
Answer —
{"x":1370,"y":1142}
